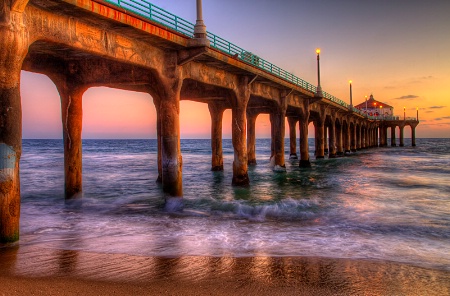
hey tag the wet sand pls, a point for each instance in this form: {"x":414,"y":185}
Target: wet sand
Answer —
{"x":33,"y":270}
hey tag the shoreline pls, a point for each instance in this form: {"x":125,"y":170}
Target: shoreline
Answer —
{"x":31,"y":270}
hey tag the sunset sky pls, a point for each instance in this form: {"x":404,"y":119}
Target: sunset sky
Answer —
{"x":399,"y":51}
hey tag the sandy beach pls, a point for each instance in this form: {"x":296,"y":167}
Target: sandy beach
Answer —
{"x":33,"y":270}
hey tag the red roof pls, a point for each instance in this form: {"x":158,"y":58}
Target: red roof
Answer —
{"x":371,"y":103}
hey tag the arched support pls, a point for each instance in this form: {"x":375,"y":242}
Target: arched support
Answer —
{"x":14,"y":46}
{"x":292,"y":121}
{"x":239,"y":131}
{"x":402,"y":138}
{"x":353,"y":138}
{"x":156,"y":102}
{"x":339,"y":141}
{"x":216,"y":111}
{"x":332,"y":139}
{"x":304,"y":145}
{"x":319,"y":135}
{"x":277,"y":119}
{"x":325,"y":139}
{"x":71,"y":95}
{"x":169,"y":106}
{"x":251,"y":137}
{"x":347,"y":137}
{"x":413,"y":135}
{"x":393,"y":140}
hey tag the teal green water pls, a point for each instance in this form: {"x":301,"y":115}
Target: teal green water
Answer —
{"x":380,"y":204}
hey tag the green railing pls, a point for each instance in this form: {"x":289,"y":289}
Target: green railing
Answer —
{"x":167,"y":19}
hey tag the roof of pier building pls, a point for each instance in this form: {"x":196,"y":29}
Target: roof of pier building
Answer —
{"x":371,"y":102}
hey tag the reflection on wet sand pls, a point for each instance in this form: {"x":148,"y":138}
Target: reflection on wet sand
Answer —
{"x":265,"y":274}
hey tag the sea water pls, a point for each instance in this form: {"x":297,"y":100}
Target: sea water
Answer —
{"x":388,"y":204}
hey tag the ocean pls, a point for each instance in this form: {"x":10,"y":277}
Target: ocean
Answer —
{"x":388,"y":204}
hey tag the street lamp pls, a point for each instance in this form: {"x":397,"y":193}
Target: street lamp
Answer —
{"x":417,"y":116}
{"x":351,"y":99}
{"x":199,"y":28}
{"x":319,"y":88}
{"x":366,"y":108}
{"x":381,"y":112}
{"x":404,"y":113}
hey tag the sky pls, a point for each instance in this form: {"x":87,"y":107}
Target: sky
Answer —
{"x":397,"y":50}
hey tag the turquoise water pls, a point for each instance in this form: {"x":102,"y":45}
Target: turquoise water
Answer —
{"x":389,"y":204}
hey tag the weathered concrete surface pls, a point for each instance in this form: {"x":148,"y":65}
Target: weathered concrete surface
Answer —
{"x":72,"y":116}
{"x":251,"y":137}
{"x":292,"y":137}
{"x":216,"y":111}
{"x":171,"y":159}
{"x":239,"y":131}
{"x":13,"y":49}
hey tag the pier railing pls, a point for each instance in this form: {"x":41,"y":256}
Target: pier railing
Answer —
{"x":156,"y":14}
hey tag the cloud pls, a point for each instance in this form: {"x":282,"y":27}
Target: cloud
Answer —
{"x":427,"y":77}
{"x":437,"y":107}
{"x":407,"y":97}
{"x":439,"y":118}
{"x":446,"y":117}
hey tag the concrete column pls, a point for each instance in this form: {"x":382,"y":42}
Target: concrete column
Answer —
{"x":156,"y":102}
{"x":413,"y":136}
{"x":292,"y":121}
{"x":385,"y":136}
{"x":251,"y":137}
{"x":348,"y":138}
{"x":402,"y":140}
{"x":353,"y":138}
{"x":339,"y":141}
{"x":377,"y":137}
{"x":277,"y":119}
{"x":239,"y":131}
{"x":319,"y":134}
{"x":325,"y":139}
{"x":170,"y":138}
{"x":216,"y":112}
{"x":304,"y":145}
{"x":358,"y":137}
{"x":367,"y":137}
{"x":393,"y":141}
{"x":332,"y":139}
{"x":14,"y":46}
{"x":72,"y":121}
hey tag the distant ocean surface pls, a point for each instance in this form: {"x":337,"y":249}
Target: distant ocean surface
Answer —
{"x":386,"y":204}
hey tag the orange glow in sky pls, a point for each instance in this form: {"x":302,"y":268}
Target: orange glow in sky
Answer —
{"x":396,"y":50}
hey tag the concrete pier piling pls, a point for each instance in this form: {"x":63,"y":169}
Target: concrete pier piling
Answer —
{"x":332,"y":139}
{"x":216,"y":112}
{"x":251,"y":137}
{"x":72,"y":117}
{"x":278,"y":128}
{"x":304,"y":145}
{"x":14,"y":46}
{"x":292,"y":121}
{"x":239,"y":132}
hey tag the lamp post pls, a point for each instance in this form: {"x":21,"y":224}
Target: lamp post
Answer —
{"x":375,"y":109}
{"x":417,"y":115}
{"x":199,"y":28}
{"x":366,"y":108}
{"x":351,"y":99}
{"x":381,"y":112}
{"x":319,"y":88}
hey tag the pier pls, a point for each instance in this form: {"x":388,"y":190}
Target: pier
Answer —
{"x":134,"y":45}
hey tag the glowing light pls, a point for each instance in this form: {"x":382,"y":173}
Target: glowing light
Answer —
{"x":318,"y":50}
